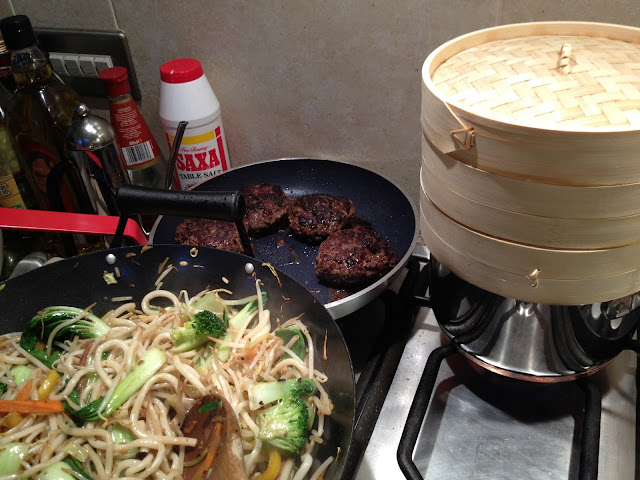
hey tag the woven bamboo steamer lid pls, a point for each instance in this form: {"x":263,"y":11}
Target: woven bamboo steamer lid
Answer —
{"x":553,"y":102}
{"x":463,"y":202}
{"x":526,"y":273}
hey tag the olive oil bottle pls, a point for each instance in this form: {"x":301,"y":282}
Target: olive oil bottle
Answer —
{"x":38,"y":117}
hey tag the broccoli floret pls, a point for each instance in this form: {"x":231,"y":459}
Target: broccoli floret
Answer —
{"x":263,"y":393}
{"x":35,"y":336}
{"x":197,"y":331}
{"x":285,"y":426}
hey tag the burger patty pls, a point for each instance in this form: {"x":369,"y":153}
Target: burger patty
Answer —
{"x":267,"y":207}
{"x":205,"y":232}
{"x":353,"y":257}
{"x":314,"y":217}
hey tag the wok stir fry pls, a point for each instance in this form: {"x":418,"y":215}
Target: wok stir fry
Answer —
{"x":96,"y":397}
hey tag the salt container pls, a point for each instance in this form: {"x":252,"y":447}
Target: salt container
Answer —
{"x":186,"y":95}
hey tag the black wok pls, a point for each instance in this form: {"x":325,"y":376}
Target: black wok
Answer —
{"x":376,"y":199}
{"x":78,"y":281}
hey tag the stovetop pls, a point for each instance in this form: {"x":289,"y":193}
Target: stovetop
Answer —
{"x":480,"y":425}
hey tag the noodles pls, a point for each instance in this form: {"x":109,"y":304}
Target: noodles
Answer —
{"x":153,"y":444}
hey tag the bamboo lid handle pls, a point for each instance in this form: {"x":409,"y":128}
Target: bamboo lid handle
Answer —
{"x":564,"y":59}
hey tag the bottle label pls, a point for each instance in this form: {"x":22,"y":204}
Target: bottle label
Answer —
{"x":139,"y":156}
{"x":9,"y":194}
{"x":200,"y":157}
{"x":139,"y":148}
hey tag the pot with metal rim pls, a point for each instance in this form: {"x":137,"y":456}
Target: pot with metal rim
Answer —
{"x":530,"y":341}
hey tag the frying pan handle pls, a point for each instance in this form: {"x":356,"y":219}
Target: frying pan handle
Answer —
{"x":227,"y":206}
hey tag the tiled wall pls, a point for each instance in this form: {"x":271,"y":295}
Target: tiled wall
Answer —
{"x":313,"y":78}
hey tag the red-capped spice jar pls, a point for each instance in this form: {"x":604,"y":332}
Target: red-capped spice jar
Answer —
{"x":145,"y":162}
{"x":186,"y":95}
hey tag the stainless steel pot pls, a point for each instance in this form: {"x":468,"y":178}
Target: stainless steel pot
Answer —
{"x":535,"y":342}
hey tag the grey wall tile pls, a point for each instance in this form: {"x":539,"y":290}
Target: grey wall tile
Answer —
{"x":6,"y":9}
{"x":329,"y":79}
{"x":624,"y":12}
{"x":310,"y":78}
{"x":73,"y":14}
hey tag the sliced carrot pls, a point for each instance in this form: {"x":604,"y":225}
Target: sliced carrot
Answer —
{"x":211,"y":454}
{"x":25,"y":391}
{"x":14,"y":418}
{"x":208,"y":461}
{"x":31,"y":406}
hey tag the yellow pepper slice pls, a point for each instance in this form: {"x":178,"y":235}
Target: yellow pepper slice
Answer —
{"x":12,"y":419}
{"x":273,"y":469}
{"x":50,"y":381}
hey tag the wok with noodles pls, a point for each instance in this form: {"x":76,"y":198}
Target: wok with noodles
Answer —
{"x":103,"y":358}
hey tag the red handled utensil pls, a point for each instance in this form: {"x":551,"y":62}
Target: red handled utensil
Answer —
{"x":63,"y":222}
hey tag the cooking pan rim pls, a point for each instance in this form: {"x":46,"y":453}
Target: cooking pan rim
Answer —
{"x":339,"y":308}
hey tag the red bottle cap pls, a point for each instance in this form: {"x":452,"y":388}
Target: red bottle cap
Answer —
{"x":181,"y":70}
{"x":115,"y":80}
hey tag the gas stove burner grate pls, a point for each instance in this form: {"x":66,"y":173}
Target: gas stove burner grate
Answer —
{"x":590,"y":438}
{"x":378,"y":367}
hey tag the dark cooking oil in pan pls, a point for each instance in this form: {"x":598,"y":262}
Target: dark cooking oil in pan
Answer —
{"x":376,"y":200}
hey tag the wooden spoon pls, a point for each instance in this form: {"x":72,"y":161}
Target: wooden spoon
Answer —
{"x":218,"y":453}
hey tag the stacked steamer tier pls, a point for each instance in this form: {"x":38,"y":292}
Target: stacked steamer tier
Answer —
{"x":531,"y":160}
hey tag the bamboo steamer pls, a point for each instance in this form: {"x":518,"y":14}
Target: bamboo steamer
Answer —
{"x":526,"y":287}
{"x":463,"y":202}
{"x":526,"y":196}
{"x":526,"y":260}
{"x":530,"y":172}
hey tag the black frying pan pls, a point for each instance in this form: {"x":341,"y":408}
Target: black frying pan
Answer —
{"x":376,"y":200}
{"x":78,"y":281}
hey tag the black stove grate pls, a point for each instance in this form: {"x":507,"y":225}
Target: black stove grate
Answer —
{"x":590,"y":439}
{"x":378,"y":370}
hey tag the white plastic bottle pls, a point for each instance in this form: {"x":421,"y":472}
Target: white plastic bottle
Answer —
{"x":186,"y":95}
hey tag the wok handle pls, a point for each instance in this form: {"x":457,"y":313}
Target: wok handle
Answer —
{"x":64,"y":222}
{"x":227,"y":206}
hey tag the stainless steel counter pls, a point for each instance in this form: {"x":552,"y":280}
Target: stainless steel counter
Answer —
{"x":481,"y":426}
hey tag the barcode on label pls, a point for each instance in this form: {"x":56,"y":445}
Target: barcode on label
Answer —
{"x":138,"y":154}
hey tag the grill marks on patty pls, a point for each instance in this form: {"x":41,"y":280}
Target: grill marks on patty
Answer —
{"x":354,"y":257}
{"x":205,"y":232}
{"x":351,"y":254}
{"x":266,"y":206}
{"x":314,"y":217}
{"x":266,"y":211}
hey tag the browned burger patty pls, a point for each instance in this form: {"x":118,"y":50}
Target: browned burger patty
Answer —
{"x":353,"y":257}
{"x":314,"y":217}
{"x":266,"y":208}
{"x":205,"y":232}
